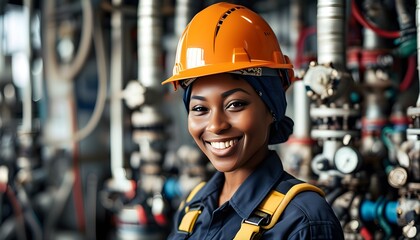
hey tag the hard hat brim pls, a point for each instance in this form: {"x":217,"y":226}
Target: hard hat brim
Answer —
{"x":222,"y":68}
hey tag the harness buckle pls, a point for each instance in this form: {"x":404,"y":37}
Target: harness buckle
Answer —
{"x":258,"y":218}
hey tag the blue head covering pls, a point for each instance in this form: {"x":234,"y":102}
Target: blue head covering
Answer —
{"x":270,"y":90}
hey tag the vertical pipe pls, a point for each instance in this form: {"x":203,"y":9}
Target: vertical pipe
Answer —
{"x":183,"y":14}
{"x":2,"y":36}
{"x":116,"y":110}
{"x":149,"y":49}
{"x":331,"y":32}
{"x":302,"y":128}
{"x":27,"y":90}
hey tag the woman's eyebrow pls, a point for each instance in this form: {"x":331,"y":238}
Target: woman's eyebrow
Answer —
{"x":230,"y":92}
{"x":198,"y":97}
{"x":224,"y":94}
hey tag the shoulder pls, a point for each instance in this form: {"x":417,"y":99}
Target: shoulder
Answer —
{"x":308,"y":216}
{"x":311,"y":205}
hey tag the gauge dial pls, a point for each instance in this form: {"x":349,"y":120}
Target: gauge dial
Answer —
{"x":347,"y":160}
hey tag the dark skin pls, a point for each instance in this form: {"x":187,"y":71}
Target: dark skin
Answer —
{"x":231,"y":125}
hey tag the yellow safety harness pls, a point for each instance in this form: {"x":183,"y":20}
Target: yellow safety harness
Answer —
{"x":262,"y":219}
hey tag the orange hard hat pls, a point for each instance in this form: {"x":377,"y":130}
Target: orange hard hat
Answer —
{"x":226,"y":37}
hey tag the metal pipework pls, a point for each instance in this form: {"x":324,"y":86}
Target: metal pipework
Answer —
{"x":148,"y":119}
{"x":331,"y":29}
{"x":116,"y":107}
{"x":148,"y":133}
{"x":149,"y":34}
{"x":27,"y":99}
{"x":183,"y":14}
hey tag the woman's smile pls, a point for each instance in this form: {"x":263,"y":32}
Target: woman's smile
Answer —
{"x":229,"y":122}
{"x":223,"y":144}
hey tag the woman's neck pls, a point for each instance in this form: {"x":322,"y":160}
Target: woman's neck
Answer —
{"x":234,"y":179}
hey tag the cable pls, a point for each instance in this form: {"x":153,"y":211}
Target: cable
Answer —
{"x":34,"y":224}
{"x":102,"y":88}
{"x":77,"y":186}
{"x":409,"y":75}
{"x":91,"y":199}
{"x":70,"y":71}
{"x":59,"y":201}
{"x":28,"y":213}
{"x":303,"y":35}
{"x":365,"y":23}
{"x":20,"y":221}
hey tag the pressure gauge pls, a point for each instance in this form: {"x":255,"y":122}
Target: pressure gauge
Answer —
{"x":397,"y":177}
{"x":347,"y":160}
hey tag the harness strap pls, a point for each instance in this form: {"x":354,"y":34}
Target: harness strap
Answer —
{"x":188,"y":221}
{"x":262,"y":218}
{"x":191,"y":212}
{"x":248,"y":231}
{"x":269,"y":211}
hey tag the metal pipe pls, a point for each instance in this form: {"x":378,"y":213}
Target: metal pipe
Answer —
{"x":27,"y":90}
{"x":302,"y":127}
{"x":149,"y":34}
{"x":183,"y":14}
{"x":116,"y":84}
{"x":331,"y":28}
{"x":2,"y":38}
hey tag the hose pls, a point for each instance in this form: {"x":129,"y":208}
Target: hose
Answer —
{"x":59,"y":201}
{"x":20,"y":221}
{"x":359,"y":17}
{"x":102,"y":76}
{"x":409,"y":75}
{"x":68,"y":71}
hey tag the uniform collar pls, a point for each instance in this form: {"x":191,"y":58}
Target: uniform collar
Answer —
{"x":256,"y":187}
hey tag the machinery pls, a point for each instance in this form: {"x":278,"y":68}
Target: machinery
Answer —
{"x":93,"y":147}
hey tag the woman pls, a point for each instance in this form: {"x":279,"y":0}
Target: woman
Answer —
{"x":234,"y":77}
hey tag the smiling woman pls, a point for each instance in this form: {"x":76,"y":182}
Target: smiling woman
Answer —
{"x":234,"y":91}
{"x":230,"y":124}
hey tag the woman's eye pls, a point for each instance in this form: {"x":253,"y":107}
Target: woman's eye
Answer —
{"x":198,"y":109}
{"x":236,"y":105}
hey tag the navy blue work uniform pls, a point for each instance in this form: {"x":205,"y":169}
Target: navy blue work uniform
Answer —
{"x":308,"y":215}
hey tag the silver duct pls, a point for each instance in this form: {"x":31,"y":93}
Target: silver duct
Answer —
{"x":331,"y":28}
{"x":183,"y":14}
{"x":27,"y":96}
{"x":149,"y":34}
{"x":116,"y":107}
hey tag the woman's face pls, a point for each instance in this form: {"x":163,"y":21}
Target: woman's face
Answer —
{"x":229,"y":122}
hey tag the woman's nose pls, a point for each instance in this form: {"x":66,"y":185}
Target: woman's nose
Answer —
{"x":218,"y":122}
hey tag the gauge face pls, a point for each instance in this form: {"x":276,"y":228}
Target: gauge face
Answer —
{"x":347,"y":160}
{"x":397,"y":177}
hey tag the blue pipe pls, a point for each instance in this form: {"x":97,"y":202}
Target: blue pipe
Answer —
{"x":371,"y":210}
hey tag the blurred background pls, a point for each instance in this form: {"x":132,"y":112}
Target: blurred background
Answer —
{"x":93,"y":147}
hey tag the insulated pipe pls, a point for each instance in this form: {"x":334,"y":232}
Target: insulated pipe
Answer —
{"x":183,"y":14}
{"x":149,"y":34}
{"x":302,"y":128}
{"x":331,"y":28}
{"x":59,"y":76}
{"x":27,"y":96}
{"x":116,"y":107}
{"x":2,"y":58}
{"x":67,"y":71}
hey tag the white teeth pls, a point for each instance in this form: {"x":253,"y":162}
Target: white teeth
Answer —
{"x":223,"y":145}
